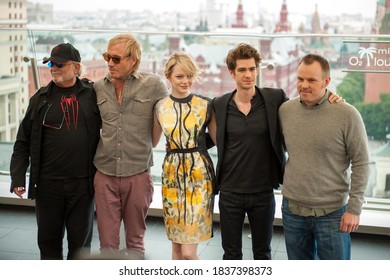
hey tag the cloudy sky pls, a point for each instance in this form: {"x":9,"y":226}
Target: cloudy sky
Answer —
{"x":367,"y":7}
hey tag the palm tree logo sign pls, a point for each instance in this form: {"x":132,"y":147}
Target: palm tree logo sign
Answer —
{"x":368,"y":52}
{"x":363,"y":52}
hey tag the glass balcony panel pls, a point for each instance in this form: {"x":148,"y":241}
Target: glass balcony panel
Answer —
{"x":359,"y":71}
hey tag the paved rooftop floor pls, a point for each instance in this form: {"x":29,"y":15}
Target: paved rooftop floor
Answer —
{"x":18,"y":232}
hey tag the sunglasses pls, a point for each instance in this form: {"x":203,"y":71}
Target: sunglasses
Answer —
{"x":115,"y":59}
{"x":51,"y":64}
{"x":58,"y":126}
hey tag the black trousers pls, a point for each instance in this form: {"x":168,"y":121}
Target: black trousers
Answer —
{"x":64,"y":205}
{"x":260,"y":209}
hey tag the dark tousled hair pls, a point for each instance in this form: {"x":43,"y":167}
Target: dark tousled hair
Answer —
{"x":241,"y":51}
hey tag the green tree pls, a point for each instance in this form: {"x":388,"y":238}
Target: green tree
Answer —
{"x":352,"y":88}
{"x":188,"y":38}
{"x":376,"y":117}
{"x":191,"y":39}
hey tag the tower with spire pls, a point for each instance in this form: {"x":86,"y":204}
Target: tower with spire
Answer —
{"x":315,"y":22}
{"x":283,"y":25}
{"x":316,"y":28}
{"x":240,"y":23}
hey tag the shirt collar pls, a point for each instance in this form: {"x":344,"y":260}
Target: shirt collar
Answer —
{"x":135,"y":74}
{"x":322,"y":100}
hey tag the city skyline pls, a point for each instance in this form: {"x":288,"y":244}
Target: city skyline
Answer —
{"x":325,"y":7}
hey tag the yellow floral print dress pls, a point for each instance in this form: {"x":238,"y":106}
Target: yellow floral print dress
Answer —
{"x":188,"y":172}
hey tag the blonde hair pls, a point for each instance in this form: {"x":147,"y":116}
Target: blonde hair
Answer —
{"x":133,"y":47}
{"x":186,"y":62}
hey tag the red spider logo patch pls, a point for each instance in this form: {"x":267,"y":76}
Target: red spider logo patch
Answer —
{"x":70,"y":108}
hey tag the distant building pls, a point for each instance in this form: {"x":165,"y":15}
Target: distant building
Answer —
{"x":283,"y":25}
{"x":380,"y":13}
{"x":377,"y":83}
{"x":317,"y":29}
{"x":240,"y":22}
{"x":213,"y":14}
{"x":13,"y":70}
{"x":283,"y":53}
{"x":39,"y":12}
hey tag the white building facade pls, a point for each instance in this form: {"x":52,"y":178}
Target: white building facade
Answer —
{"x":14,"y":79}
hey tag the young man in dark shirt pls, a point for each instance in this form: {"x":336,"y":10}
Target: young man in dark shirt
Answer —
{"x":250,"y":155}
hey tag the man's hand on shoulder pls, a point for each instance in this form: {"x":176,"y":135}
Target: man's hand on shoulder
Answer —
{"x":335,"y":98}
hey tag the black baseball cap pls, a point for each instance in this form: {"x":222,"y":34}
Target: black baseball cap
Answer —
{"x":62,"y":53}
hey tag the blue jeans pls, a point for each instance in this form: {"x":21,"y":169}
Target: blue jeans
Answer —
{"x":260,"y":208}
{"x":309,"y":238}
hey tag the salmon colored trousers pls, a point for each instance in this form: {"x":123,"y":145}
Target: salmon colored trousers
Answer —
{"x":124,"y":199}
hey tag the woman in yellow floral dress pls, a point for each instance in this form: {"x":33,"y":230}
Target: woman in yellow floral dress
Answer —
{"x":188,"y":172}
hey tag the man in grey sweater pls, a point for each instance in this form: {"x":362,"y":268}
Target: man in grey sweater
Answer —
{"x":327,"y":168}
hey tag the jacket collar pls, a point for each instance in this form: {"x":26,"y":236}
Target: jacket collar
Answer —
{"x":47,"y":89}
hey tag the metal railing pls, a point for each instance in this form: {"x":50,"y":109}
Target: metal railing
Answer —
{"x":33,"y":52}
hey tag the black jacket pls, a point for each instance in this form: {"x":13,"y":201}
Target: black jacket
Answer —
{"x":273,"y":98}
{"x":27,"y":148}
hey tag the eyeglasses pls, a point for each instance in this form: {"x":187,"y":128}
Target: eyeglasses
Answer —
{"x":116,"y":59}
{"x":49,"y":125}
{"x":51,"y":64}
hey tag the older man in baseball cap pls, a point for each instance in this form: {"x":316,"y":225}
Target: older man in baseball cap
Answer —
{"x":58,"y":138}
{"x":64,"y":62}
